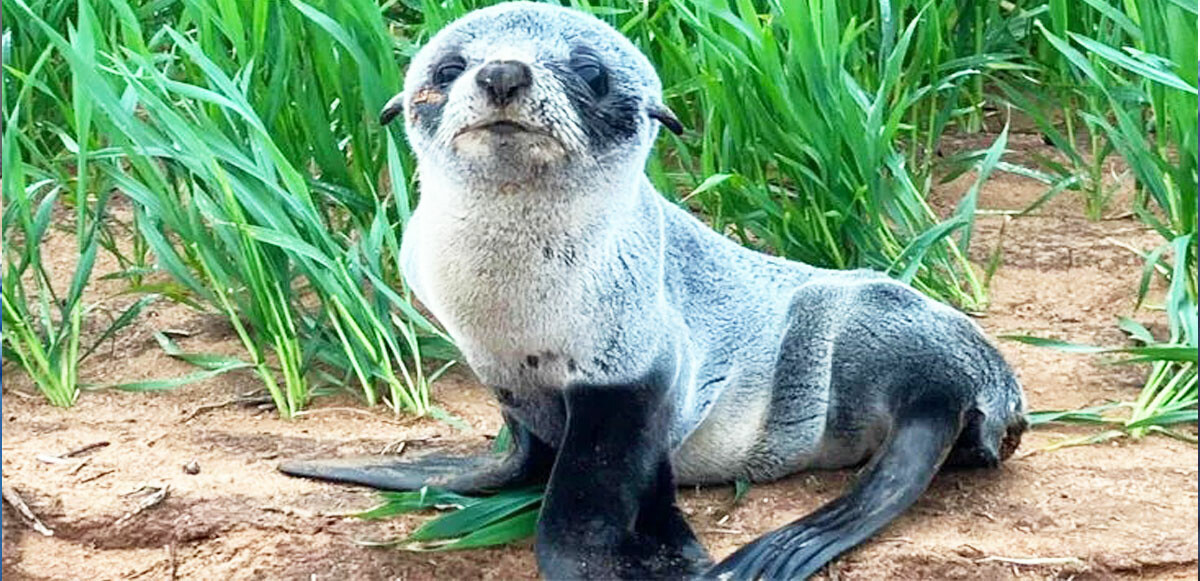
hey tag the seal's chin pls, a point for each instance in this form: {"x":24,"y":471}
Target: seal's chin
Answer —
{"x":507,"y":141}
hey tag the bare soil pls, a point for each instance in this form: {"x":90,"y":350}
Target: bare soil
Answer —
{"x":1126,"y":509}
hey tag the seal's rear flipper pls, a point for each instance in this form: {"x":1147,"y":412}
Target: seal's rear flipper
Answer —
{"x":896,"y":476}
{"x":528,"y":461}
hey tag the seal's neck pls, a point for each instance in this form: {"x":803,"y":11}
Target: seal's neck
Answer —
{"x":579,"y":208}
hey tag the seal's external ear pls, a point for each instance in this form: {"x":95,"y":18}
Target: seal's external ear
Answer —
{"x":667,"y":117}
{"x":392,"y":109}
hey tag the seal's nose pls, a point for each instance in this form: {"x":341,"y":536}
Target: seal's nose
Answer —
{"x":502,"y":80}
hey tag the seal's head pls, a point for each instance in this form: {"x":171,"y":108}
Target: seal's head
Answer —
{"x":525,"y":93}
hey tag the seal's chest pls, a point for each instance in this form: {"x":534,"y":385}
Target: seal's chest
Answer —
{"x":502,"y":285}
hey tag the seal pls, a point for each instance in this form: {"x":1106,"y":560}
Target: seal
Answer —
{"x":632,"y":348}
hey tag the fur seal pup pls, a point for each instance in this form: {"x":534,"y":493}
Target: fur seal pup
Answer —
{"x":632,"y":348}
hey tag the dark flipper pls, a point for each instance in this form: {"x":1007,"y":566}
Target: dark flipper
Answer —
{"x":527,"y":461}
{"x":895,"y":477}
{"x":610,"y":508}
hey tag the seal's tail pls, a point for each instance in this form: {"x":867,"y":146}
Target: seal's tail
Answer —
{"x":894,"y":479}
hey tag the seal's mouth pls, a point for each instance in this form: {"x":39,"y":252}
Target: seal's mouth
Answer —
{"x":502,"y":127}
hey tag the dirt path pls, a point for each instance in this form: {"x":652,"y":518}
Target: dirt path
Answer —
{"x":1120,"y":510}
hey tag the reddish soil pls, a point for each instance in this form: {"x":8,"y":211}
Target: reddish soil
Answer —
{"x":1125,"y":509}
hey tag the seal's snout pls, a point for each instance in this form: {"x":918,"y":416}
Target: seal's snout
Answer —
{"x":502,"y":81}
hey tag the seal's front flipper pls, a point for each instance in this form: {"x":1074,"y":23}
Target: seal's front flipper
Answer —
{"x":610,"y":508}
{"x":903,"y":468}
{"x":527,"y":461}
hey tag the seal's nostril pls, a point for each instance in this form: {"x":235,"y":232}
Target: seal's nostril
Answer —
{"x":503,"y":80}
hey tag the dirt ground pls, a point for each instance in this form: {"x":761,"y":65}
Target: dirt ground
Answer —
{"x":1118,"y":510}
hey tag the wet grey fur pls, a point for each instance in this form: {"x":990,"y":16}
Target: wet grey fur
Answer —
{"x":563,"y":267}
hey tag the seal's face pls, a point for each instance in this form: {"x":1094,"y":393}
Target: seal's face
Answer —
{"x":521,"y":93}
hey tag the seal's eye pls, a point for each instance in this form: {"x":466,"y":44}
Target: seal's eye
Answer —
{"x":449,"y":70}
{"x":587,"y":66}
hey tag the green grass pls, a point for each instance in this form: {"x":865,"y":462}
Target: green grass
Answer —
{"x":1149,"y":75}
{"x":264,"y":209}
{"x":264,"y":189}
{"x":42,"y":324}
{"x":800,"y":114}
